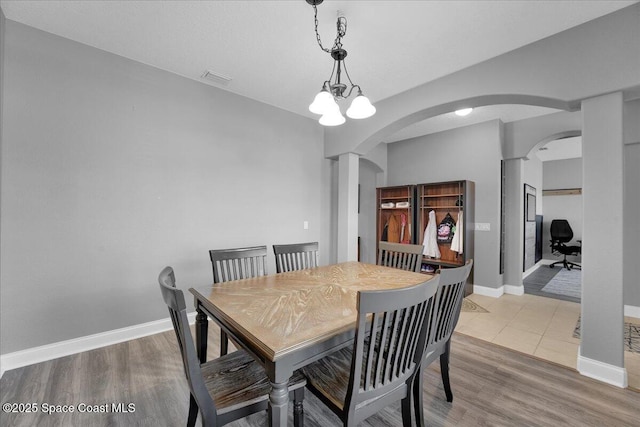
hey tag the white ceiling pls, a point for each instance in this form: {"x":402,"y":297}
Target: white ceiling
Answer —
{"x":269,"y":48}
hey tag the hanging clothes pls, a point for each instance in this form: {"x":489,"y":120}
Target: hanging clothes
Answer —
{"x":445,"y":229}
{"x":393,"y":231}
{"x":430,"y":241}
{"x":457,"y":242}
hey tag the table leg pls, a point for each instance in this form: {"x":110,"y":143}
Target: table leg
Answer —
{"x":278,"y":404}
{"x":202,"y":329}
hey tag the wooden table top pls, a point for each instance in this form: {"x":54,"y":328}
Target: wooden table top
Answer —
{"x":284,"y":312}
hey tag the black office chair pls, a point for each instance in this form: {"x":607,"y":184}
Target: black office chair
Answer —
{"x":561,"y":234}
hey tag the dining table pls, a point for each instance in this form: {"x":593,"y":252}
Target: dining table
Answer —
{"x":289,"y":320}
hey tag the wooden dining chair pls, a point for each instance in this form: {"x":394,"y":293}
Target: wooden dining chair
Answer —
{"x":229,"y":387}
{"x":297,"y":256}
{"x":448,"y":303}
{"x":235,"y":264}
{"x":379,"y":369}
{"x":399,"y":255}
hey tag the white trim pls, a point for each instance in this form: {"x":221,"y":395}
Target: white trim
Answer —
{"x":489,"y":292}
{"x":601,"y":371}
{"x":514,"y":290}
{"x":43,"y":353}
{"x":632,"y":311}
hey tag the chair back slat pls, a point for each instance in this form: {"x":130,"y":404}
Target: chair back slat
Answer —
{"x":448,"y":303}
{"x":238,"y":263}
{"x":401,"y":256}
{"x":297,"y":256}
{"x":174,"y":298}
{"x":390,"y":340}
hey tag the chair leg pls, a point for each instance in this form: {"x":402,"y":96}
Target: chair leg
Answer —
{"x":444,"y":371}
{"x":193,"y":412}
{"x":224,"y":343}
{"x":417,"y":397}
{"x":406,"y":410}
{"x":298,"y":407}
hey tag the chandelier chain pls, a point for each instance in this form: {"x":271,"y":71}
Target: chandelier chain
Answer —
{"x":336,"y":43}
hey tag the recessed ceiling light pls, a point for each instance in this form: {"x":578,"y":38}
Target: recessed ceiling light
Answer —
{"x":464,"y":112}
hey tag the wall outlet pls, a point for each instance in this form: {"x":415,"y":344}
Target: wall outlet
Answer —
{"x":483,"y":226}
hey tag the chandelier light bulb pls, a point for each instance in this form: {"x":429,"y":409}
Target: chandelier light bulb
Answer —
{"x":322,"y":103}
{"x":333,"y":117}
{"x":464,"y":112}
{"x":361,"y":108}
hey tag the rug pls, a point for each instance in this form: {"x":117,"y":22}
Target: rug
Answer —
{"x":469,"y":306}
{"x":631,"y":336}
{"x":566,"y":282}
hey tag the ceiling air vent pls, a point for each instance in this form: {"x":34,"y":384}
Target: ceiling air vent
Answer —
{"x":216,"y":77}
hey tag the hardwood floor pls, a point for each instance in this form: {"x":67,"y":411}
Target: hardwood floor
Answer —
{"x":492,"y":386}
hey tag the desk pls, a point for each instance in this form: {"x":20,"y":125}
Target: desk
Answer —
{"x":289,"y":320}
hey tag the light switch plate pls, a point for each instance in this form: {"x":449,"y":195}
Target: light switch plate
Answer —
{"x":483,"y":226}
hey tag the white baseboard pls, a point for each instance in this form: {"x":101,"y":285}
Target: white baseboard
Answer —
{"x":499,"y":291}
{"x":514,"y":290}
{"x":489,"y":292}
{"x":43,"y":353}
{"x":604,"y":372}
{"x":632,"y":311}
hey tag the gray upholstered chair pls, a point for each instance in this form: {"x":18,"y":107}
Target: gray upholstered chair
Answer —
{"x":224,"y":389}
{"x":399,"y":255}
{"x":448,"y":303}
{"x":235,"y":264}
{"x":298,"y":256}
{"x":379,"y":369}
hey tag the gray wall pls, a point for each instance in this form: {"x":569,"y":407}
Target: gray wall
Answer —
{"x":2,"y":44}
{"x":532,"y":175}
{"x":468,"y":153}
{"x":562,"y":174}
{"x":367,"y":217}
{"x":113,"y":169}
{"x":631,"y":273}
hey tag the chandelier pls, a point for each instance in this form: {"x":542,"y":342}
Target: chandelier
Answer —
{"x":325,"y":102}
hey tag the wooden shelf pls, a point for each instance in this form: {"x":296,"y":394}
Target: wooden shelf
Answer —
{"x":444,"y":263}
{"x":393,"y":197}
{"x":442,"y":195}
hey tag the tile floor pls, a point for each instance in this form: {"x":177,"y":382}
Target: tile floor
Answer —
{"x":539,"y":326}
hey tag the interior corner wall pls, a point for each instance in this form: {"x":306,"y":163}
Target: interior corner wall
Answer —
{"x":631,"y":152}
{"x":373,"y":168}
{"x":367,"y":212}
{"x":468,"y":153}
{"x":112,"y":170}
{"x":562,"y":174}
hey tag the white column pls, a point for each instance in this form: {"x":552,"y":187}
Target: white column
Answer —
{"x":348,"y":175}
{"x":601,"y":347}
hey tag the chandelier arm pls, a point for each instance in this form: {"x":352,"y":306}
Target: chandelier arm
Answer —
{"x":344,"y":67}
{"x":351,"y":90}
{"x":333,"y":70}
